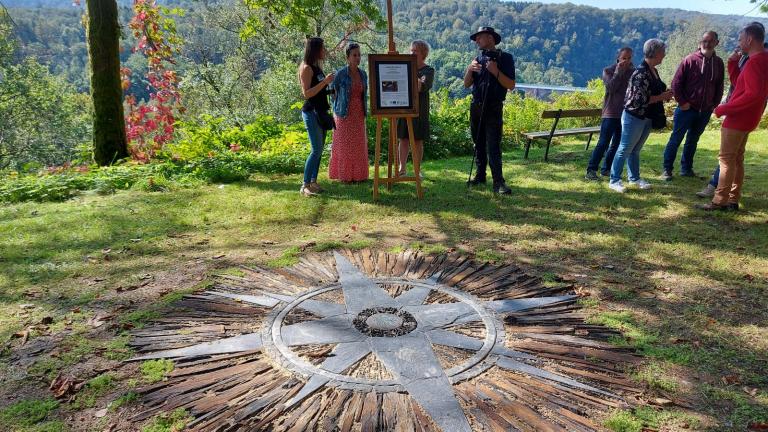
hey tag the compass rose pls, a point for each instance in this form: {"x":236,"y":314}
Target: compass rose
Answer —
{"x":363,"y":319}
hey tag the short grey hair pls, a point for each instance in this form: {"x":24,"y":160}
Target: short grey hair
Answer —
{"x":418,"y":43}
{"x":652,"y":47}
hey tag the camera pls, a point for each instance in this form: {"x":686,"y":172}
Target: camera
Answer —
{"x":491,"y":54}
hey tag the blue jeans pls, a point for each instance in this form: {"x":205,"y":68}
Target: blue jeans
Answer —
{"x":316,"y":142}
{"x":634,"y":133}
{"x":610,"y":133}
{"x":688,"y":122}
{"x":715,"y":176}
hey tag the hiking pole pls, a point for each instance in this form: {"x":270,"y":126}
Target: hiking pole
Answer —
{"x":476,"y":135}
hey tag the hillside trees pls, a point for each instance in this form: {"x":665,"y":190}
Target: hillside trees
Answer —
{"x":42,"y":118}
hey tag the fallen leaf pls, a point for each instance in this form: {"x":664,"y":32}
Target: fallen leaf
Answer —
{"x":65,"y":386}
{"x":661,"y":402}
{"x":219,"y":256}
{"x":100,"y":413}
{"x":136,"y":240}
{"x":730,"y":379}
{"x":23,"y":335}
{"x":98,"y":320}
{"x":145,"y":276}
{"x":582,"y":292}
{"x":758,"y":426}
{"x":354,"y":227}
{"x":106,"y":250}
{"x":750,"y":391}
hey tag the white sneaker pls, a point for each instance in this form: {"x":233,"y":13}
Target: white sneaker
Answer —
{"x":618,"y":186}
{"x":707,"y":192}
{"x":642,"y":184}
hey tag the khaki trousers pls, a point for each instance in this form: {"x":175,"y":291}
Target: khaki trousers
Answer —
{"x":732,"y":145}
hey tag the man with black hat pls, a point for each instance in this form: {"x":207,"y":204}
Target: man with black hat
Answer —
{"x":491,"y":75}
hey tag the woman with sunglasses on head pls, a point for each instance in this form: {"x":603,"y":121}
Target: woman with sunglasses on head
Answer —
{"x":314,"y":89}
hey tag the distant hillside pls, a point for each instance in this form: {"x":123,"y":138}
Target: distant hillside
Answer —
{"x":559,"y":44}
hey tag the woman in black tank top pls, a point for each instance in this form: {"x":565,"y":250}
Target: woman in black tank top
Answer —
{"x":315,"y":113}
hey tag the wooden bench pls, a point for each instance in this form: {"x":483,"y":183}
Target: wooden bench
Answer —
{"x":557,"y":115}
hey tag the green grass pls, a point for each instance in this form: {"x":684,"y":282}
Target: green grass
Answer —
{"x":174,"y":421}
{"x":93,"y":390}
{"x":686,"y":288}
{"x":27,"y":413}
{"x":156,"y":370}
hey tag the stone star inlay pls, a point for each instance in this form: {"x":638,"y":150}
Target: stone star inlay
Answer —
{"x":402,"y":332}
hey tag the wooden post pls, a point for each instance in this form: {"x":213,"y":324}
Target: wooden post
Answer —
{"x":377,"y":159}
{"x":390,"y":31}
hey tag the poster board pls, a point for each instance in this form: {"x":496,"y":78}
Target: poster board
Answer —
{"x":393,"y":85}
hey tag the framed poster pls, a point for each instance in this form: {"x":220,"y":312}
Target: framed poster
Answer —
{"x":393,"y":84}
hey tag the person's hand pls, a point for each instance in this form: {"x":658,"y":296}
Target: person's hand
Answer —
{"x":475,"y":66}
{"x":685,"y":106}
{"x":735,"y":55}
{"x":624,"y":64}
{"x":492,"y":67}
{"x":329,"y":78}
{"x":667,"y":96}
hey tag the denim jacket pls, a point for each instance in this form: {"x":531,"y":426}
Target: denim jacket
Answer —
{"x":342,"y":83}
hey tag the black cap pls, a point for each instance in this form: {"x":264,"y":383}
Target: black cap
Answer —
{"x":489,"y":30}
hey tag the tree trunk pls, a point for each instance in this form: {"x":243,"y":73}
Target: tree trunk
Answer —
{"x":109,"y":139}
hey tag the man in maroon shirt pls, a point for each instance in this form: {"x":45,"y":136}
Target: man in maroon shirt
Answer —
{"x":742,"y":112}
{"x":698,"y":87}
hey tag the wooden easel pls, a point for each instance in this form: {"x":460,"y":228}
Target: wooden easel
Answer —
{"x":393,"y":149}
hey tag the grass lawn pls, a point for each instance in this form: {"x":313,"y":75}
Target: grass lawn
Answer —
{"x":687,"y":288}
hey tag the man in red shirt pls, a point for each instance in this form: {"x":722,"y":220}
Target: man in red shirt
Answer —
{"x":742,"y":112}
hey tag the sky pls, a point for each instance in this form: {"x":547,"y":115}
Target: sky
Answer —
{"x":725,"y":7}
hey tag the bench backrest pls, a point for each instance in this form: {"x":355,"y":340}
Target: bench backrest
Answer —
{"x":590,"y":112}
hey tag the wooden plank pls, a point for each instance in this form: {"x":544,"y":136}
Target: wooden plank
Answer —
{"x":592,"y":112}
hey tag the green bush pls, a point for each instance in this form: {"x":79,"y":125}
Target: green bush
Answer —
{"x":196,"y":139}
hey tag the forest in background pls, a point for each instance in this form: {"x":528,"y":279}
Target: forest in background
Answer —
{"x":233,"y":74}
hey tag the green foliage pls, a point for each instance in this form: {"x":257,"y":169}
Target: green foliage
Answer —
{"x":118,"y":349}
{"x":197,"y":138}
{"x":42,"y":118}
{"x":174,"y":421}
{"x":65,"y":185}
{"x":449,"y":130}
{"x":278,"y":90}
{"x":645,"y":417}
{"x":156,"y":370}
{"x":289,"y":257}
{"x":125,"y":399}
{"x":310,"y":16}
{"x":27,"y":412}
{"x":655,"y":375}
{"x":623,"y":421}
{"x":94,"y":389}
{"x":637,"y":337}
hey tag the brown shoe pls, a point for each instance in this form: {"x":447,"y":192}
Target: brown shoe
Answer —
{"x":314,"y":187}
{"x":711,"y":207}
{"x":307,"y":192}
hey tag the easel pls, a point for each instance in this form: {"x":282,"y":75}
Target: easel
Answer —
{"x":393,"y":148}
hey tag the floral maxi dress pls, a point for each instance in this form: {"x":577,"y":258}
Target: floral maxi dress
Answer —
{"x":349,"y":151}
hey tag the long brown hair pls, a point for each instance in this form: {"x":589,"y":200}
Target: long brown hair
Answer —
{"x":313,"y":50}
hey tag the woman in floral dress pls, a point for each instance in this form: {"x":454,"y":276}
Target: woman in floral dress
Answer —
{"x":349,"y":151}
